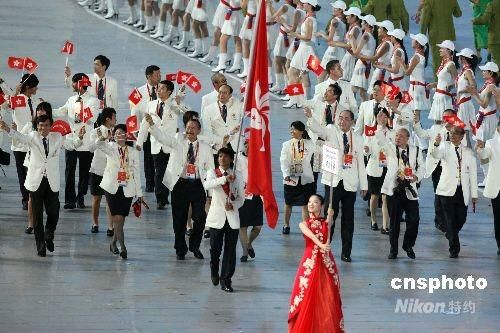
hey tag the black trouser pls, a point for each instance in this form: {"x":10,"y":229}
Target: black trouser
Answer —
{"x":160,"y":163}
{"x":185,"y":193}
{"x":44,"y":197}
{"x":455,"y":214}
{"x":397,"y":204}
{"x":347,"y":198}
{"x":438,"y":210}
{"x":229,"y":237}
{"x":149,"y":167}
{"x":495,"y":204}
{"x":21,"y":173}
{"x":84,"y":159}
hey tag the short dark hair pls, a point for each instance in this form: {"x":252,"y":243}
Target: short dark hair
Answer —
{"x":189,"y":115}
{"x":227,"y":85}
{"x":150,"y":69}
{"x":195,"y":120}
{"x":331,"y":64}
{"x":107,"y":113}
{"x":122,"y":127}
{"x":350,"y":113}
{"x":405,"y":131}
{"x":29,"y":81}
{"x":336,"y":89}
{"x":47,"y":108}
{"x":169,"y":84}
{"x":103,"y":60}
{"x":78,"y":76}
{"x":458,"y":130}
{"x":42,"y":119}
{"x":226,"y":151}
{"x":378,"y":83}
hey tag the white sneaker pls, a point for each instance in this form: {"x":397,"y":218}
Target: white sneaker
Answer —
{"x":110,"y":14}
{"x":285,"y":98}
{"x":157,"y":34}
{"x":139,"y":23}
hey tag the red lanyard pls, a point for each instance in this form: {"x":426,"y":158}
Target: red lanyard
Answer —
{"x":123,"y":151}
{"x":444,"y":62}
{"x":299,"y":151}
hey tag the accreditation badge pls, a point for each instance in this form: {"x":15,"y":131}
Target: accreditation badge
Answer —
{"x":408,"y":173}
{"x":190,"y":171}
{"x":382,"y":160}
{"x":122,"y":177}
{"x":347,"y":162}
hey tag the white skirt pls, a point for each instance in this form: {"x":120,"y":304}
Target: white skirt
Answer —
{"x":378,"y":74}
{"x":348,"y":62}
{"x":179,"y":5}
{"x":489,"y":126}
{"x":218,"y":19}
{"x":440,"y":102}
{"x":232,"y":26}
{"x":467,"y":113}
{"x":359,"y":78}
{"x":299,"y":59}
{"x":272,"y":35}
{"x":199,"y":14}
{"x":190,"y":6}
{"x":246,"y":33}
{"x":401,"y":84}
{"x":167,"y":2}
{"x":419,"y":96}
{"x":332,"y":53}
{"x":280,"y":49}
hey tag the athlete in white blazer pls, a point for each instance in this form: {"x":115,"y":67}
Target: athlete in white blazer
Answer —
{"x":217,"y":79}
{"x":457,"y":184}
{"x":367,"y":109}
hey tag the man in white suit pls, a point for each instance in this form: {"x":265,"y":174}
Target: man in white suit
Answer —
{"x":218,"y":79}
{"x":104,"y":87}
{"x":223,"y":217}
{"x":457,"y":184}
{"x":351,"y":176}
{"x":368,"y":110}
{"x":43,"y":175}
{"x":190,"y":161}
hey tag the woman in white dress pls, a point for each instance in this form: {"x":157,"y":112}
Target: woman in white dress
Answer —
{"x":366,"y":47}
{"x":230,"y":28}
{"x":396,"y":71}
{"x":166,"y":8}
{"x":336,"y":32}
{"x":246,"y":32}
{"x":285,"y":17}
{"x":307,"y":36}
{"x":466,"y":83}
{"x":199,"y":16}
{"x":186,"y":27}
{"x":178,"y":7}
{"x":446,"y":74}
{"x":352,"y":39}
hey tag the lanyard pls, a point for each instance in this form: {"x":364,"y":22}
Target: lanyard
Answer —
{"x":408,"y":156}
{"x":298,"y":154}
{"x":149,"y":92}
{"x":123,"y":151}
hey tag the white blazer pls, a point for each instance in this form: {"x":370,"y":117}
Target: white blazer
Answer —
{"x":208,"y":99}
{"x":21,"y":117}
{"x":140,"y":109}
{"x":217,"y":214}
{"x":492,"y":151}
{"x":109,"y":181}
{"x":214,"y":126}
{"x":448,"y":181}
{"x":286,"y":161}
{"x":318,"y":110}
{"x":354,"y":177}
{"x":178,"y":156}
{"x":347,"y":99}
{"x":70,"y":112}
{"x":416,"y":163}
{"x":38,"y":164}
{"x":366,"y":116}
{"x":98,"y":163}
{"x":376,"y":144}
{"x":110,"y":92}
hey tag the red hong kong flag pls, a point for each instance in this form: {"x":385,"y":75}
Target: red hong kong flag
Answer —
{"x":370,"y":130}
{"x":182,"y":77}
{"x":135,"y":96}
{"x":295,"y":89}
{"x":30,"y":65}
{"x":18,"y":101}
{"x":84,"y":82}
{"x":171,"y":77}
{"x":68,"y":48}
{"x":194,"y":83}
{"x":86,"y":115}
{"x":406,"y":97}
{"x":256,"y":104}
{"x":314,"y":65}
{"x":132,"y":125}
{"x":243,"y":87}
{"x":60,"y":126}
{"x":387,"y":88}
{"x":15,"y":62}
{"x":454,"y":121}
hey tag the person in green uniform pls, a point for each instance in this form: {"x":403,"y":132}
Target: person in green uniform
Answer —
{"x":437,"y":22}
{"x":480,"y":31}
{"x":491,"y":17}
{"x":355,"y":3}
{"x":399,"y":15}
{"x":381,"y":9}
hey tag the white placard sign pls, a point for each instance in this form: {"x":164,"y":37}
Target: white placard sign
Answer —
{"x":330,"y":162}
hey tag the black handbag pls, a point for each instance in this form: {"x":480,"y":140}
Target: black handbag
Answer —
{"x":4,"y":158}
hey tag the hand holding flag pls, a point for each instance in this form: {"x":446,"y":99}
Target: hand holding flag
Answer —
{"x":135,"y":96}
{"x":18,"y":101}
{"x":68,"y":48}
{"x":314,"y":65}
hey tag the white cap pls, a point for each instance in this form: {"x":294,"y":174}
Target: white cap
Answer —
{"x":447,"y":44}
{"x":398,"y":33}
{"x":489,"y":66}
{"x":339,"y":5}
{"x":353,"y":11}
{"x":313,"y":3}
{"x":468,"y":53}
{"x":370,"y":19}
{"x":420,"y":38}
{"x":387,"y":25}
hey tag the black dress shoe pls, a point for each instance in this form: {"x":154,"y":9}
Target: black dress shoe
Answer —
{"x":123,"y":254}
{"x":28,"y":230}
{"x":286,"y":230}
{"x":113,"y":248}
{"x":160,"y":206}
{"x":25,"y":205}
{"x":189,"y":232}
{"x":94,"y":229}
{"x":206,"y":234}
{"x":42,"y":253}
{"x":226,"y":287}
{"x":50,"y":245}
{"x":215,"y":279}
{"x":197,"y":253}
{"x":69,"y":206}
{"x":375,"y":227}
{"x":251,"y":252}
{"x":110,"y":232}
{"x":244,"y":258}
{"x":384,"y":231}
{"x":392,"y":256}
{"x":409,"y":252}
{"x":345,"y":258}
{"x":453,"y":254}
{"x":181,"y":257}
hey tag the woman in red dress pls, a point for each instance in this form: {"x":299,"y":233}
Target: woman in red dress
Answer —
{"x":315,"y":305}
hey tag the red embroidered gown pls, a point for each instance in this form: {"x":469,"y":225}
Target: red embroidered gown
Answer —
{"x":315,"y":305}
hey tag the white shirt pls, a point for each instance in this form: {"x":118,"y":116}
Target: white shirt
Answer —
{"x":99,"y":160}
{"x":347,"y":99}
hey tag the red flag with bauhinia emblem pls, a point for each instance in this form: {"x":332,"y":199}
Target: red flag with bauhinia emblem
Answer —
{"x":84,"y":82}
{"x":260,"y":180}
{"x":15,"y":62}
{"x":60,"y":126}
{"x":294,"y":89}
{"x":370,"y":130}
{"x":454,"y":120}
{"x":68,"y":48}
{"x":86,"y":115}
{"x":30,"y":65}
{"x":314,"y":65}
{"x":171,"y":77}
{"x":135,"y":96}
{"x":182,"y":77}
{"x":194,"y":83}
{"x":132,"y":125}
{"x":18,"y":101}
{"x":2,"y":99}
